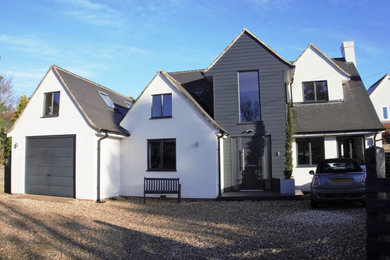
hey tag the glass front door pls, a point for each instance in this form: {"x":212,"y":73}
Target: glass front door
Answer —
{"x":250,"y":161}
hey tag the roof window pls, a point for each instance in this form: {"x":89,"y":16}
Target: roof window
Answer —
{"x":106,"y":99}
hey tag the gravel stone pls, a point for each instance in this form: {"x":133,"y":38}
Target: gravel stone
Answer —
{"x":36,"y":227}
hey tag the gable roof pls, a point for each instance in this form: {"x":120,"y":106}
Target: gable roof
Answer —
{"x":188,"y":96}
{"x":311,"y":45}
{"x":355,"y":113}
{"x":376,"y":84}
{"x":255,"y":38}
{"x":85,"y":94}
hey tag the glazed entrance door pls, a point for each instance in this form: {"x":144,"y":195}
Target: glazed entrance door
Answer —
{"x":251,"y":160}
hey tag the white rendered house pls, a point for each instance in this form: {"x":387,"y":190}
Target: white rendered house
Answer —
{"x":379,"y":94}
{"x":55,"y":140}
{"x":333,"y":116}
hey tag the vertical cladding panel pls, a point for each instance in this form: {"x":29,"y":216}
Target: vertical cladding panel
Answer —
{"x":245,"y":55}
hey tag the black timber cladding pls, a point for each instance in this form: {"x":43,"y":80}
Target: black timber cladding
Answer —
{"x":50,"y":166}
{"x":244,"y":55}
{"x":354,"y":113}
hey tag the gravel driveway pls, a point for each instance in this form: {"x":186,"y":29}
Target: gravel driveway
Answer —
{"x":57,"y":228}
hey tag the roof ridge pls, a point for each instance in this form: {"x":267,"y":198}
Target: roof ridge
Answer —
{"x":184,"y":71}
{"x":89,"y":81}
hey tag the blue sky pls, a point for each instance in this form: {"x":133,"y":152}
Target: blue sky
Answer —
{"x":122,"y":44}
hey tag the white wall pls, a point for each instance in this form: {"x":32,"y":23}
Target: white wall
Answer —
{"x":312,"y":66}
{"x":380,"y":98}
{"x":197,"y":166}
{"x":68,"y":122}
{"x":110,"y":168}
{"x":301,"y":173}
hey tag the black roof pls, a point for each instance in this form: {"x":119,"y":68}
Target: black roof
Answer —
{"x":198,"y":86}
{"x":354,"y":113}
{"x":86,"y":95}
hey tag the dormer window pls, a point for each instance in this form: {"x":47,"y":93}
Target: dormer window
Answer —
{"x":315,"y":91}
{"x":106,"y":99}
{"x":52,"y":104}
{"x":162,"y":106}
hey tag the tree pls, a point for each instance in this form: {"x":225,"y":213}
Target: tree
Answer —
{"x":7,"y":144}
{"x":6,"y":112}
{"x":288,"y":163}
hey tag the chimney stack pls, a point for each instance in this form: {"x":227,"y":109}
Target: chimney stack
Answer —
{"x":348,"y":51}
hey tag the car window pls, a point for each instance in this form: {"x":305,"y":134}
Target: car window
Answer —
{"x":338,"y":166}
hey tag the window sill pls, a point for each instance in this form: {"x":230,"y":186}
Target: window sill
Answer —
{"x":160,"y":117}
{"x":157,"y":170}
{"x":48,"y":116}
{"x":249,"y":123}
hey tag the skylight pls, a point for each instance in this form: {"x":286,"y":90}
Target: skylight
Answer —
{"x":106,"y":99}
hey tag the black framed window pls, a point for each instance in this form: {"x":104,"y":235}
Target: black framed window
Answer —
{"x":162,"y":155}
{"x":52,"y":104}
{"x":162,"y":106}
{"x":248,"y":83}
{"x":310,"y":151}
{"x":351,"y":147}
{"x":315,"y":91}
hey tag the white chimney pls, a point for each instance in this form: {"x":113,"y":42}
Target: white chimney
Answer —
{"x":348,"y":51}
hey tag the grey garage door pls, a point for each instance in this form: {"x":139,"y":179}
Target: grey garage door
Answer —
{"x":50,"y":165}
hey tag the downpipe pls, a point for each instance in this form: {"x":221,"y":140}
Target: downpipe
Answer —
{"x":98,"y":166}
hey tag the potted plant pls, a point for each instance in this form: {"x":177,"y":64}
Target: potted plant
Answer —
{"x":287,"y":185}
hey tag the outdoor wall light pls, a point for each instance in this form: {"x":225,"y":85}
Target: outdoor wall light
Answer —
{"x":16,"y":145}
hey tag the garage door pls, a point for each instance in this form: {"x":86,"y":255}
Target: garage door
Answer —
{"x":50,"y":165}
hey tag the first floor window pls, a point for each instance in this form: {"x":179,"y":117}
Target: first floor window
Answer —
{"x":162,"y":155}
{"x":52,"y":104}
{"x":310,"y":151}
{"x":248,"y":83}
{"x":385,"y":113}
{"x":315,"y":91}
{"x":162,"y":106}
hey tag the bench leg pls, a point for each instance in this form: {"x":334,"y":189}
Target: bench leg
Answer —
{"x":144,"y":198}
{"x":179,"y":194}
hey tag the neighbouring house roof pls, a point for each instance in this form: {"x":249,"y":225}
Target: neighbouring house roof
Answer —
{"x":178,"y":85}
{"x":355,"y":113}
{"x":85,"y":95}
{"x":311,"y":45}
{"x":258,"y":40}
{"x":376,"y":84}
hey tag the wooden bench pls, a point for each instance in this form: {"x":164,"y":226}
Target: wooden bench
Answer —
{"x":162,"y":186}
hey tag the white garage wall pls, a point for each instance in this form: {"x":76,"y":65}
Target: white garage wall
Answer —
{"x":68,"y":122}
{"x":110,"y":168}
{"x":196,"y":144}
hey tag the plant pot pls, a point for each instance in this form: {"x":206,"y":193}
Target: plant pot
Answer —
{"x":287,"y":174}
{"x":287,"y":186}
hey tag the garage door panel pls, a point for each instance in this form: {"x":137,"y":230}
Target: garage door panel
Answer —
{"x":52,"y":181}
{"x":50,"y":161}
{"x":52,"y":171}
{"x":53,"y":152}
{"x":51,"y":190}
{"x":50,"y":142}
{"x":50,"y":165}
